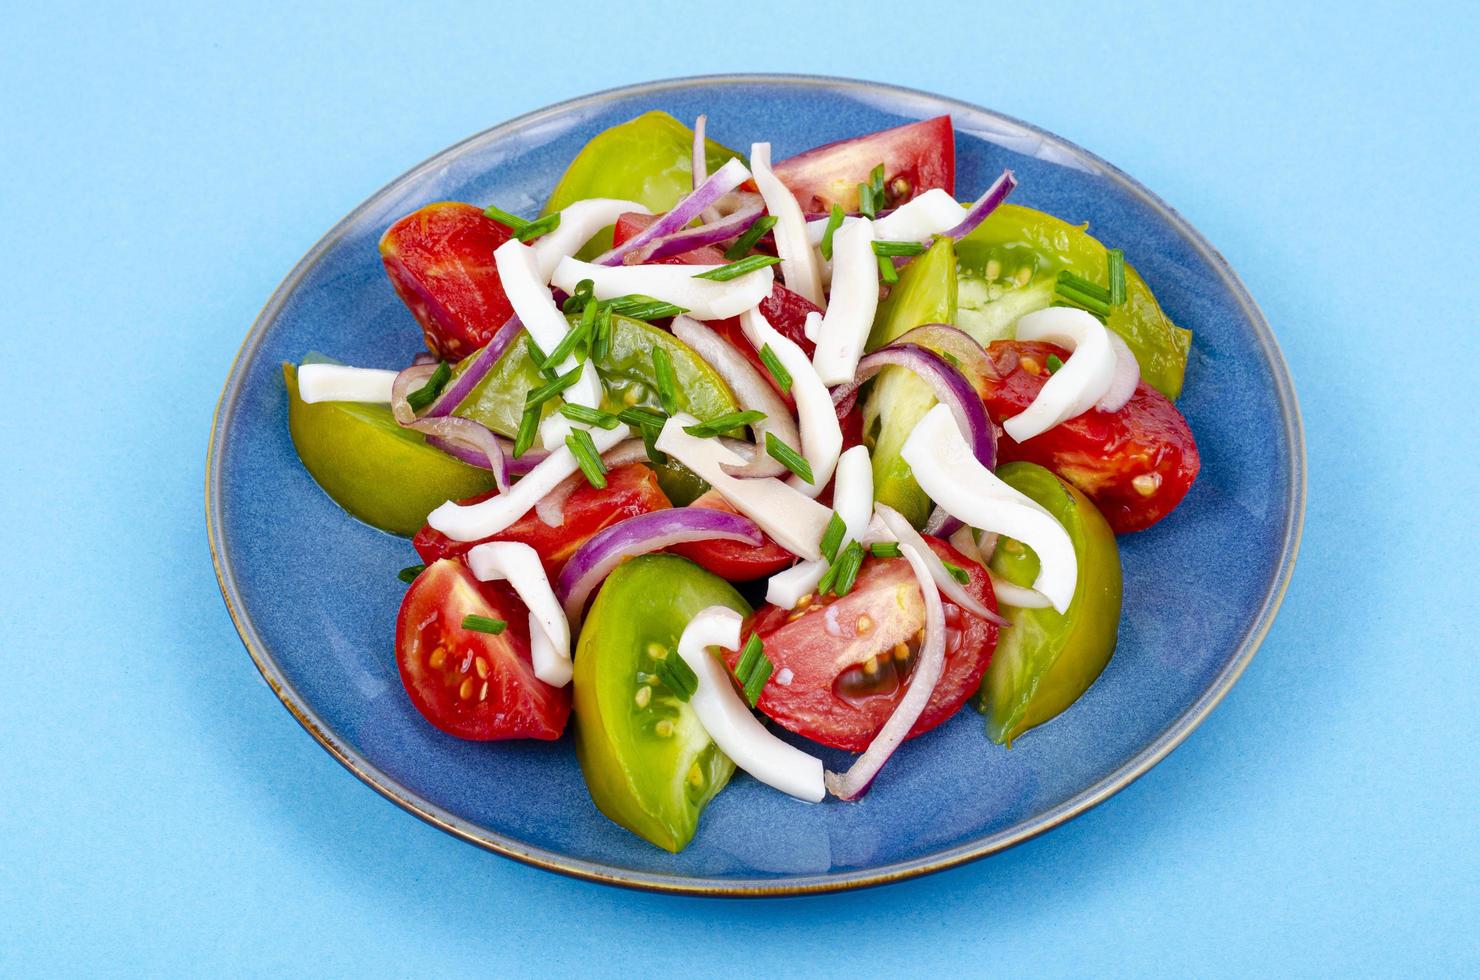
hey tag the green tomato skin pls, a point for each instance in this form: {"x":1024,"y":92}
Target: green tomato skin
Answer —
{"x":925,"y":293}
{"x":648,"y":160}
{"x":648,"y":762}
{"x":382,"y":474}
{"x":1009,"y":266}
{"x":1045,"y":661}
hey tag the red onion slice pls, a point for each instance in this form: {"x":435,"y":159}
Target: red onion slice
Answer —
{"x":984,"y":205}
{"x":700,"y":166}
{"x":751,"y":390}
{"x":856,"y":781}
{"x":1127,"y":376}
{"x":641,"y":535}
{"x":941,"y":524}
{"x":953,"y":342}
{"x":406,"y":382}
{"x":724,"y":180}
{"x":953,"y":590}
{"x":551,"y":507}
{"x":950,"y":387}
{"x":687,"y":239}
{"x":483,"y":362}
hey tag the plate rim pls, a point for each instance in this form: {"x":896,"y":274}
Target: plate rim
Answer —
{"x":1152,"y":753}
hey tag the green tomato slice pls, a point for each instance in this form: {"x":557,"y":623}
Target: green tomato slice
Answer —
{"x":1010,"y":264}
{"x":1045,"y":661}
{"x":648,"y":160}
{"x":383,"y":474}
{"x":648,"y":762}
{"x":897,"y":399}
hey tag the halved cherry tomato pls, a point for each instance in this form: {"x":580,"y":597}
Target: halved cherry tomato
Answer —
{"x":467,"y":683}
{"x":440,"y":261}
{"x":851,"y":658}
{"x":1135,"y":464}
{"x":916,"y":157}
{"x":630,"y":490}
{"x":733,"y":560}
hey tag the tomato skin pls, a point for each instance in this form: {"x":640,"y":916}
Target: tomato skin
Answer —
{"x":733,"y":560}
{"x":1103,"y":454}
{"x":917,"y":157}
{"x":440,"y":662}
{"x":630,"y":490}
{"x":440,"y":261}
{"x":810,"y":705}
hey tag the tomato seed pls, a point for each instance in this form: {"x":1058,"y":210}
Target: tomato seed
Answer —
{"x":901,"y":652}
{"x":482,"y":666}
{"x":1147,"y":484}
{"x":643,"y":696}
{"x":438,"y":659}
{"x":863,"y":625}
{"x":466,"y":690}
{"x":664,"y":728}
{"x":1024,"y":275}
{"x":871,"y":665}
{"x":696,"y":776}
{"x":483,"y":692}
{"x":994,"y":269}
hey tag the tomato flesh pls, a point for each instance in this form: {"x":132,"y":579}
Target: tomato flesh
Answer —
{"x":630,"y":490}
{"x":917,"y":157}
{"x":851,"y":658}
{"x":734,"y":560}
{"x":440,"y":261}
{"x":473,"y":685}
{"x":1136,"y":464}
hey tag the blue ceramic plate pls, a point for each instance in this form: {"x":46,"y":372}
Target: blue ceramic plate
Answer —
{"x":314,"y":593}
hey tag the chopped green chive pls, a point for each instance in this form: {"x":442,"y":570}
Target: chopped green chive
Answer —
{"x":753,"y":669}
{"x":957,"y":572}
{"x":1080,"y":284}
{"x":719,"y":426}
{"x":409,"y":573}
{"x":538,"y":396}
{"x":753,"y":234}
{"x":1080,"y":292}
{"x":788,"y":457}
{"x":834,"y":222}
{"x":574,"y":337}
{"x":542,"y":226}
{"x":832,"y":538}
{"x":678,"y":676}
{"x":542,"y":362}
{"x":529,"y":424}
{"x":639,"y":307}
{"x":848,"y":564}
{"x":735,"y":270}
{"x":876,"y":182}
{"x":887,"y":272}
{"x":427,"y":393}
{"x":601,"y":334}
{"x":757,"y":680}
{"x":650,"y":435}
{"x":777,"y":369}
{"x":666,"y":381}
{"x":898,"y":248}
{"x":1117,"y":276}
{"x":590,"y":416}
{"x":866,"y":204}
{"x":587,"y":458}
{"x":578,"y":300}
{"x":642,"y":416}
{"x":750,"y":655}
{"x":484,"y":624}
{"x":1053,"y":363}
{"x":512,"y":221}
{"x":828,"y":578}
{"x":885,"y":549}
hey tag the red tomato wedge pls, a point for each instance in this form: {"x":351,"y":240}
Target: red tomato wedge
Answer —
{"x":850,"y":659}
{"x":440,"y":261}
{"x":473,"y":684}
{"x":917,"y":157}
{"x":630,"y":490}
{"x":733,"y":560}
{"x":1135,"y":464}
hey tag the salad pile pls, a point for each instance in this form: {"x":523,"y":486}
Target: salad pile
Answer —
{"x":714,"y":447}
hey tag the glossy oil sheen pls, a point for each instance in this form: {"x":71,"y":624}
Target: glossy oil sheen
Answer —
{"x":315,"y":593}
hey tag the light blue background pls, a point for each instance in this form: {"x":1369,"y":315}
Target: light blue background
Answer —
{"x":162,"y":169}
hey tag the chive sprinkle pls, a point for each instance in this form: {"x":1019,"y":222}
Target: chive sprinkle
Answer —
{"x":409,"y":573}
{"x":750,"y":655}
{"x":757,"y":681}
{"x":898,"y":248}
{"x":753,"y":669}
{"x":640,"y":417}
{"x":832,"y":538}
{"x":587,"y":458}
{"x":639,"y":307}
{"x":788,"y":457}
{"x":777,"y":369}
{"x":848,"y":564}
{"x":529,"y":424}
{"x":866,"y":205}
{"x":650,"y":435}
{"x":576,"y":301}
{"x":535,"y":229}
{"x":541,"y":362}
{"x":885,"y":549}
{"x":1083,"y":285}
{"x":574,"y":337}
{"x":601,"y":334}
{"x":724,"y":423}
{"x":678,"y":676}
{"x":666,"y":381}
{"x":957,"y":572}
{"x":427,"y":393}
{"x":1117,"y":276}
{"x":484,"y":624}
{"x":753,"y":234}
{"x":834,"y":222}
{"x":876,"y":182}
{"x":512,"y":221}
{"x":828,"y":578}
{"x":1089,"y":303}
{"x":590,"y":416}
{"x":887,"y":272}
{"x":536,"y":397}
{"x":1053,"y":363}
{"x":735,"y":270}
